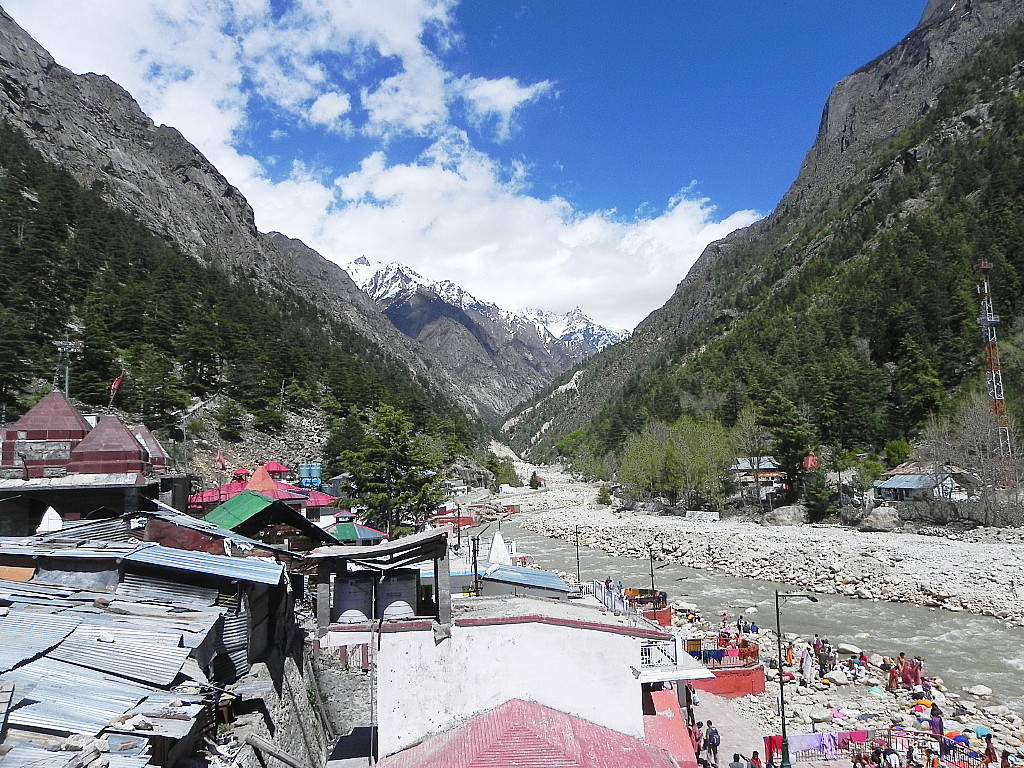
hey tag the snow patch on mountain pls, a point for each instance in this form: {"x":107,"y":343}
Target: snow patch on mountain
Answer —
{"x":386,"y":282}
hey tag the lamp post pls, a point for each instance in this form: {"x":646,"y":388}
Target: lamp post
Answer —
{"x":779,"y":596}
{"x":578,"y":581}
{"x":650,"y":555}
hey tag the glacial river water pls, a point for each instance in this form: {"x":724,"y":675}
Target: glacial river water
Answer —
{"x":963,"y":649}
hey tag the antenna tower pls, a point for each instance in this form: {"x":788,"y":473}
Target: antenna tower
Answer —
{"x":994,"y":379}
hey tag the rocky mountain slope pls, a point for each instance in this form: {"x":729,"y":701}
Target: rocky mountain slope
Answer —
{"x":866,"y":144}
{"x":511,"y":355}
{"x":92,"y":127}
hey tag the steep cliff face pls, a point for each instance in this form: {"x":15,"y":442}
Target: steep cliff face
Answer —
{"x":864,"y":114}
{"x":94,"y":128}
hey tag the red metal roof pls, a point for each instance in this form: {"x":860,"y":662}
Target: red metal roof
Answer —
{"x":53,"y":414}
{"x":273,"y":466}
{"x":530,"y":735}
{"x":262,"y":482}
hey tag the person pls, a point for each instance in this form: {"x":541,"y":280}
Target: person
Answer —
{"x":989,"y":757}
{"x":817,"y":645}
{"x":754,"y":629}
{"x":1004,"y":761}
{"x":711,"y":741}
{"x":931,"y":760}
{"x":754,"y":761}
{"x":911,"y":758}
{"x":893,"y":683}
{"x":697,"y":736}
{"x":891,"y":757}
{"x":935,"y":721}
{"x":864,"y":661}
{"x":736,"y":761}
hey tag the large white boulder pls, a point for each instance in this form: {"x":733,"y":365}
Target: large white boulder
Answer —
{"x":820,"y":715}
{"x":848,"y":648}
{"x":838,"y":677}
{"x":979,"y":690}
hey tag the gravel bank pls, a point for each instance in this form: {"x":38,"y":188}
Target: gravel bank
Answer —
{"x":981,"y":571}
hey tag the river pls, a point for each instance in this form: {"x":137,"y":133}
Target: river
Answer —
{"x":963,"y":649}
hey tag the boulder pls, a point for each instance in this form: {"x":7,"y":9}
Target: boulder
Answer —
{"x":848,"y":648}
{"x":819,"y":715}
{"x":979,"y":690}
{"x":880,"y":519}
{"x":838,"y":677}
{"x":794,"y":514}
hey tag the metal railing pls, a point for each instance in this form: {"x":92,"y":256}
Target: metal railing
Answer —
{"x":952,"y":754}
{"x":658,"y":653}
{"x":709,"y":652}
{"x":615,"y":600}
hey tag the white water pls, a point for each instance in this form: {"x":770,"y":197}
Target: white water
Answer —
{"x":963,"y":649}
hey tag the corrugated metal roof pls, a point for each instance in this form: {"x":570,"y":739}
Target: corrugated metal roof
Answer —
{"x":346,"y":530}
{"x":912,"y":482}
{"x":58,"y":697}
{"x":173,"y":516}
{"x":240,"y":568}
{"x":238,"y":509}
{"x":27,"y":634}
{"x":77,"y":480}
{"x":23,"y":755}
{"x":152,"y":664}
{"x":153,"y":589}
{"x":113,"y":529}
{"x":527,"y":577}
{"x":528,"y":734}
{"x":57,"y":547}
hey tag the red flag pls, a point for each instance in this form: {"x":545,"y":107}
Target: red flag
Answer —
{"x":220,"y":460}
{"x":116,"y":383}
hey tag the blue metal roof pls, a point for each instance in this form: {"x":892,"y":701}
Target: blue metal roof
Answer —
{"x":526,"y":577}
{"x":240,"y":568}
{"x":912,"y":482}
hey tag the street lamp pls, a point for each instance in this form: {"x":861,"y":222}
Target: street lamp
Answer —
{"x":782,"y":694}
{"x":578,"y":581}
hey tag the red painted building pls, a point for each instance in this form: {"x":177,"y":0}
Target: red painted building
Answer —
{"x":53,"y":457}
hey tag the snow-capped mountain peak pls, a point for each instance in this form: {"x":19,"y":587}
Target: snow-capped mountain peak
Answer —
{"x":386,"y":283}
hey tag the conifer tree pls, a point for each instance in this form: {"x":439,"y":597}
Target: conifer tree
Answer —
{"x":394,"y":474}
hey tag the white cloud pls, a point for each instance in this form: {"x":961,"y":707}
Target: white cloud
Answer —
{"x":346,"y":67}
{"x":328,"y":109}
{"x":498,"y":98}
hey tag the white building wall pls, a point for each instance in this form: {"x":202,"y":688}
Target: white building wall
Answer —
{"x":424,"y":688}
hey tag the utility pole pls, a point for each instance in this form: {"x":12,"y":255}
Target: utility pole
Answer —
{"x":64,"y":351}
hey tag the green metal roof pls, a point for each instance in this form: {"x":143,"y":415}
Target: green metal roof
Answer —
{"x":345,"y":531}
{"x":238,"y":509}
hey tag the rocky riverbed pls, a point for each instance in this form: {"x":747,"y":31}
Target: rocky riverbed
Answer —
{"x":977,"y":571}
{"x":839,"y":703}
{"x":981,"y":571}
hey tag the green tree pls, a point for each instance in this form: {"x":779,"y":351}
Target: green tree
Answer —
{"x":395,"y":473}
{"x":917,"y":388}
{"x":704,"y":451}
{"x":896,"y":452}
{"x":793,"y":436}
{"x":229,"y":420}
{"x":534,"y":480}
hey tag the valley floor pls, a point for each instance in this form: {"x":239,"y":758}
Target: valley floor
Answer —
{"x":981,"y":571}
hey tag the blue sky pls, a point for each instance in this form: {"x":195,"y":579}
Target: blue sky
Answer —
{"x":540,"y":153}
